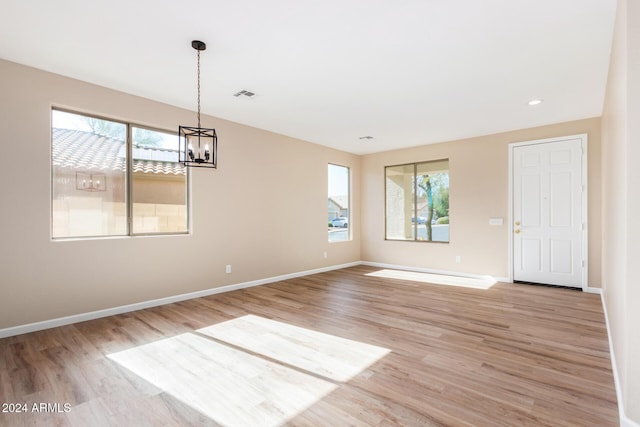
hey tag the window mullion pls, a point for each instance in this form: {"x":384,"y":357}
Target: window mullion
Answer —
{"x":129,"y":179}
{"x":415,"y":201}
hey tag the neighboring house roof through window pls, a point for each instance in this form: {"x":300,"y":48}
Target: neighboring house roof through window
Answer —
{"x":86,"y":150}
{"x":342,"y":202}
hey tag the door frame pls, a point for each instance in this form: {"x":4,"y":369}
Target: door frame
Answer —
{"x":585,"y":236}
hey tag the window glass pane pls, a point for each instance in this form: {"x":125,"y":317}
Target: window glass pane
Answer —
{"x":417,"y":201}
{"x":88,"y":176}
{"x":432,"y":187}
{"x":400,"y":202}
{"x":338,"y":203}
{"x":159,"y":183}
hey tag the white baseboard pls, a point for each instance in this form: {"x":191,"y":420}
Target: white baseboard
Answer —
{"x":589,"y":290}
{"x":433,"y":271}
{"x":61,"y":321}
{"x":624,"y":420}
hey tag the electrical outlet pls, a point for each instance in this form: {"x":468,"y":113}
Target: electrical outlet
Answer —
{"x":325,"y":254}
{"x":458,"y":259}
{"x":228,"y":268}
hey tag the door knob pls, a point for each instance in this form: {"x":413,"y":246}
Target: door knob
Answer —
{"x":517,"y":231}
{"x":517,"y":222}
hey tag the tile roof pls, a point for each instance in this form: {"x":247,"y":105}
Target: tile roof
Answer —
{"x":89,"y":151}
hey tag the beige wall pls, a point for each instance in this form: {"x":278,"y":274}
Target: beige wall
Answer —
{"x":264,"y":210}
{"x":479,"y":176}
{"x":621,"y":203}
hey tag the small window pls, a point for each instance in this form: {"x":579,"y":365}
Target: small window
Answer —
{"x":110,"y":178}
{"x":417,"y":201}
{"x":339,"y":220}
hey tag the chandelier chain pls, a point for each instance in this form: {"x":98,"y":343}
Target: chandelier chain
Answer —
{"x":198,"y":88}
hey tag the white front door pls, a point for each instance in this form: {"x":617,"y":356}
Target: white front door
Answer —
{"x":548,"y":220}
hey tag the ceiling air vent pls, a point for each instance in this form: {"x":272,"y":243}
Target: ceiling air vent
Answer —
{"x":246,"y":93}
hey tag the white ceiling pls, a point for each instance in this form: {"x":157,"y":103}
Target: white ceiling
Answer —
{"x":405,"y":72}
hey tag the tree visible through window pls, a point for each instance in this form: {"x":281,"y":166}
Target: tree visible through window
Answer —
{"x":417,"y":201}
{"x":98,"y":191}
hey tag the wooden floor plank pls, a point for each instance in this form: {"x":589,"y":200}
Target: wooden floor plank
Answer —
{"x":508,"y":355}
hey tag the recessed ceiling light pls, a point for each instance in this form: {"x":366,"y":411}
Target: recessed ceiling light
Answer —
{"x":535,"y":102}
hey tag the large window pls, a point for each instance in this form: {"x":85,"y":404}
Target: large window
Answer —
{"x":417,"y":201}
{"x":338,"y":203}
{"x":114,"y":179}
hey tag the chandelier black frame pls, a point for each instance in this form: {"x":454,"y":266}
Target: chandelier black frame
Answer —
{"x":198,"y":145}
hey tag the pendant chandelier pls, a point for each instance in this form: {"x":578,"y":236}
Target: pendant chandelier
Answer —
{"x":198,"y":145}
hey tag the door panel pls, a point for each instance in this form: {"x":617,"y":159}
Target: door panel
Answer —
{"x":561,"y":199}
{"x":531,"y":205}
{"x":531,"y":259}
{"x":547,"y":212}
{"x":561,"y":256}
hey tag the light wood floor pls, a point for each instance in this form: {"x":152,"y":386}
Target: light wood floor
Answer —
{"x":509,"y":355}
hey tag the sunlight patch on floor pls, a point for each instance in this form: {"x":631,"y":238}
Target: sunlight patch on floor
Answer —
{"x":326,"y":355}
{"x":229,"y":386}
{"x":218,"y":376}
{"x":437,"y":279}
